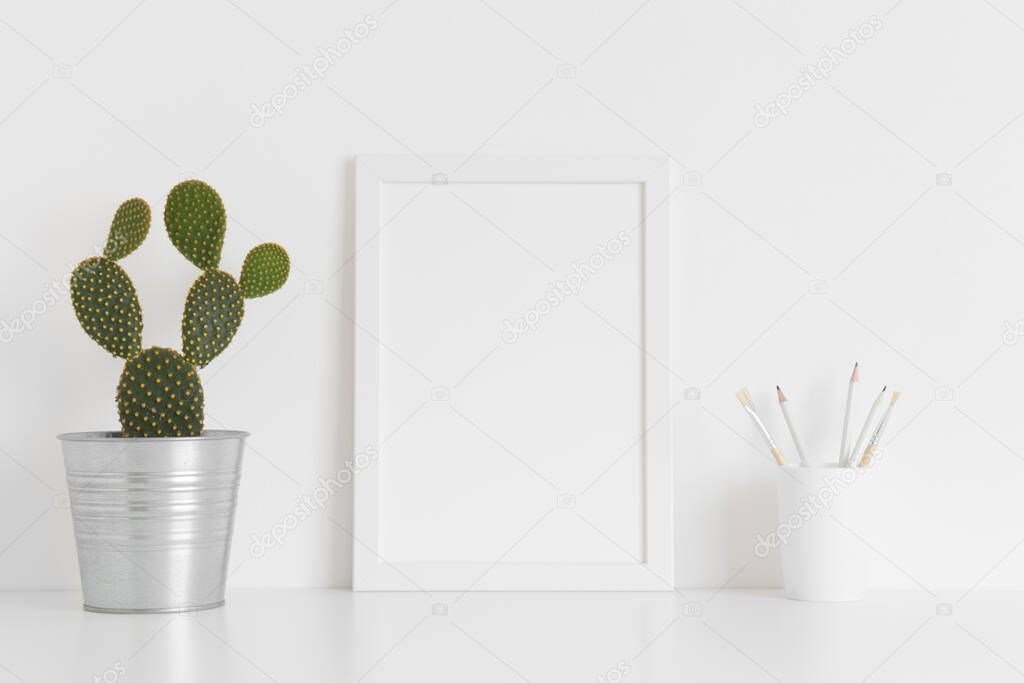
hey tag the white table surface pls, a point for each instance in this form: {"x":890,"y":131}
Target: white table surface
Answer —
{"x":335,"y":635}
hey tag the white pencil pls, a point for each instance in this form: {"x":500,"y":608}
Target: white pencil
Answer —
{"x":748,"y":404}
{"x":789,"y":423}
{"x":869,"y":452}
{"x":844,"y":452}
{"x":860,"y":443}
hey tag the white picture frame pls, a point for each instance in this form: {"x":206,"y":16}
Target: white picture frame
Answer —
{"x":646,"y":567}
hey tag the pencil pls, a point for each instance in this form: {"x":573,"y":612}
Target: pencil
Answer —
{"x":844,"y":453}
{"x":789,"y":423}
{"x":869,"y":452}
{"x":860,"y":443}
{"x":748,"y":404}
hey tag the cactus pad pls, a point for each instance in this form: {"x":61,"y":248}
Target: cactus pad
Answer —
{"x":213,"y":313}
{"x":107,"y":306}
{"x":128,"y":230}
{"x":159,"y":395}
{"x":264,"y":271}
{"x":196,"y":221}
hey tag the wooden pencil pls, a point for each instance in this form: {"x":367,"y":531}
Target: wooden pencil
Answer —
{"x":844,"y":451}
{"x":789,"y":423}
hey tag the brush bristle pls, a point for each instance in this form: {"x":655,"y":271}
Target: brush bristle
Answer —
{"x":744,"y":396}
{"x":895,"y":397}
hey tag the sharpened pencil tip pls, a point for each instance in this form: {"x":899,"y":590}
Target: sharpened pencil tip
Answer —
{"x":855,"y":375}
{"x":782,"y":396}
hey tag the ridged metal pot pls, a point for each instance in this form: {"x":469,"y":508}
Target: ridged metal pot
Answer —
{"x":153,"y":518}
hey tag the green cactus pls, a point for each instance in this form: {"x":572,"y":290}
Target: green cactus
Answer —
{"x":264,"y":270}
{"x":196,"y":221}
{"x":128,"y":230}
{"x":213,"y":313}
{"x":107,"y":306}
{"x":159,"y":393}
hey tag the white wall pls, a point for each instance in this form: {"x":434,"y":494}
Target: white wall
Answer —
{"x":100,"y":103}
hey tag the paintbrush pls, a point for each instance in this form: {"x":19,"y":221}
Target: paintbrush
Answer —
{"x":861,"y":440}
{"x":789,"y":423}
{"x":869,"y":452}
{"x":748,"y":404}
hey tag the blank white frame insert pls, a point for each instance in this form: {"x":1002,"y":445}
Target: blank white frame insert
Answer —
{"x":475,"y":488}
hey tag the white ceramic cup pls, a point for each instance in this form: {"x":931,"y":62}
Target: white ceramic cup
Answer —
{"x":821,"y":561}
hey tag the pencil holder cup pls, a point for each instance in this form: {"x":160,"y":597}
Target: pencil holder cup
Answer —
{"x":821,"y":560}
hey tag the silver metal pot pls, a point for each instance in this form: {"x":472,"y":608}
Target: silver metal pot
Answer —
{"x":153,"y":518}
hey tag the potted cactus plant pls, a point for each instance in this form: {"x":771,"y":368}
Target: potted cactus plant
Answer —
{"x":153,"y":504}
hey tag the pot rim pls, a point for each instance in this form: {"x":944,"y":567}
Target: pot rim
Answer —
{"x":108,"y":436}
